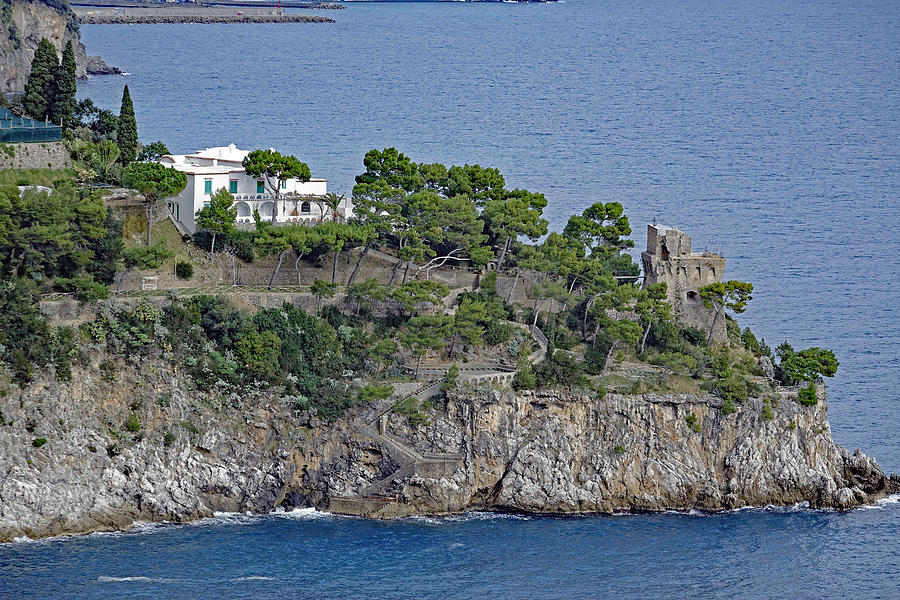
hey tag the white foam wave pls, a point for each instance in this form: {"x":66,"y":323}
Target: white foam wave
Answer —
{"x":475,"y":515}
{"x":883,"y":503}
{"x":300,"y":514}
{"x":137,"y":578}
{"x":253,"y":578}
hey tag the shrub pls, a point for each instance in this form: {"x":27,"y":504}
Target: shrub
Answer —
{"x":734,"y":388}
{"x":147,"y":257}
{"x":497,"y":332}
{"x":558,"y":369}
{"x":371,"y":393}
{"x":38,"y":442}
{"x":451,"y":378}
{"x":184,"y":269}
{"x":85,"y":289}
{"x":108,"y":370}
{"x":168,"y":439}
{"x":132,"y":423}
{"x":619,"y":449}
{"x":750,"y":342}
{"x":808,"y":396}
{"x":693,"y":422}
{"x":189,"y":425}
{"x":409,"y":408}
{"x":728,"y":406}
{"x":524,"y":379}
{"x":767,"y":413}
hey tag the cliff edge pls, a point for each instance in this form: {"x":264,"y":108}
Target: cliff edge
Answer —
{"x":121,"y":443}
{"x":22,"y":25}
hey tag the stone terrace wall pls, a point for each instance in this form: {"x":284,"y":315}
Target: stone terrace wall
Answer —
{"x":36,"y":155}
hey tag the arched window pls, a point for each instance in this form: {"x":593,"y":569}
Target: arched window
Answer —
{"x":304,"y":208}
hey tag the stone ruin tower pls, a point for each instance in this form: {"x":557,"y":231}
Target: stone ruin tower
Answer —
{"x":669,"y":259}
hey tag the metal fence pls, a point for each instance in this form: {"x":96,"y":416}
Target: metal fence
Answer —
{"x":14,"y":128}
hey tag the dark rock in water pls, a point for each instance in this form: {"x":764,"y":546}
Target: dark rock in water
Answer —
{"x":97,"y":66}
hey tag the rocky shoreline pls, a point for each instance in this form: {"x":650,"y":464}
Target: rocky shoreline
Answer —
{"x":97,"y":66}
{"x":73,"y":460}
{"x":87,"y":19}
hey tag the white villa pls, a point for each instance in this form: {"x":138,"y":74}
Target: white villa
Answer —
{"x":212,"y":169}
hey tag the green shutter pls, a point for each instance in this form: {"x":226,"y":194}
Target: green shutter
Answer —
{"x":232,"y":186}
{"x":207,"y":186}
{"x":283,"y":184}
{"x":260,"y":188}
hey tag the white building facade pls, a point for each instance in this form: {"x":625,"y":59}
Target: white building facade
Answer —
{"x":213,"y":169}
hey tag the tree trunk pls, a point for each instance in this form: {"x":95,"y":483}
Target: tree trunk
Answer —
{"x":503,"y":252}
{"x":513,"y":290}
{"x":406,"y":272}
{"x":646,"y":333}
{"x":418,"y":364}
{"x":149,"y":213}
{"x":394,"y":273}
{"x":608,"y":356}
{"x":297,"y":268}
{"x":712,"y":326}
{"x":277,"y":266}
{"x":359,"y":263}
{"x":276,"y":193}
{"x":334,"y":263}
{"x":535,"y":310}
{"x":212,"y":248}
{"x":587,"y":308}
{"x":452,"y":345}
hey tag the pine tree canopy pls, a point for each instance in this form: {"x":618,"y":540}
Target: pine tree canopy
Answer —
{"x":63,"y":108}
{"x":40,"y":88}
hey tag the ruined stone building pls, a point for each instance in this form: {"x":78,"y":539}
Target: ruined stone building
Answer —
{"x":669,"y":259}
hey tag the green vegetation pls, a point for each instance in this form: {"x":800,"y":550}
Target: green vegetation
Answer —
{"x":218,"y":216}
{"x":184,"y":269}
{"x":808,"y":396}
{"x":411,"y":409}
{"x":133,"y":423}
{"x":694,"y":423}
{"x":155,"y":182}
{"x":603,"y":331}
{"x":733,"y":295}
{"x":38,"y":442}
{"x":274,"y":169}
{"x":126,"y":133}
{"x":39,"y":93}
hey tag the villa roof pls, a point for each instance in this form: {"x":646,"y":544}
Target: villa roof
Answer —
{"x":231,"y":155}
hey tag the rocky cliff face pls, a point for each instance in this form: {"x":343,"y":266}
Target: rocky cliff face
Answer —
{"x":562,"y":453}
{"x":23,"y":25}
{"x":547,"y":452}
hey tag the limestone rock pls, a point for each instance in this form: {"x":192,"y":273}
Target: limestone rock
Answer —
{"x":538,"y":451}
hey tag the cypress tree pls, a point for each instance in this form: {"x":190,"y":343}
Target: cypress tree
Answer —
{"x":38,"y":96}
{"x":127,"y":136}
{"x":64,"y":100}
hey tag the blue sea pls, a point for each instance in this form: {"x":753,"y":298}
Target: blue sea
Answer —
{"x":768,"y":130}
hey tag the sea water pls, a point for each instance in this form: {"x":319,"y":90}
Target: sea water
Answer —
{"x":767,"y":130}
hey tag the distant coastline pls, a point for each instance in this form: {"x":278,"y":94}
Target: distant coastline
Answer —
{"x":175,"y":18}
